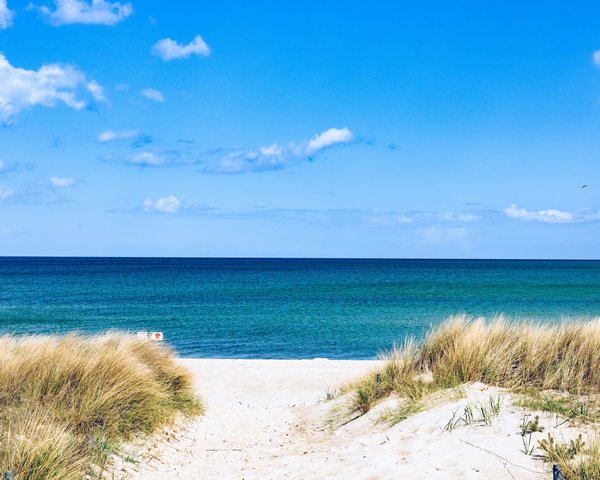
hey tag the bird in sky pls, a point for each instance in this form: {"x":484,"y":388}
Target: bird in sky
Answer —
{"x":584,"y":186}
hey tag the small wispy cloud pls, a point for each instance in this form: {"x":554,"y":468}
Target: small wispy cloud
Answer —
{"x":62,"y":182}
{"x":6,"y":193}
{"x":11,"y":167}
{"x":10,"y":232}
{"x":110,"y":135}
{"x":462,"y":217}
{"x":96,"y":90}
{"x":389,"y":219}
{"x":153,"y":94}
{"x":22,"y":89}
{"x":94,"y":12}
{"x":6,"y":15}
{"x":551,"y":215}
{"x":168,"y":204}
{"x":148,"y":159}
{"x":169,"y":49}
{"x":596,"y":58}
{"x":394,"y":219}
{"x":276,"y":157}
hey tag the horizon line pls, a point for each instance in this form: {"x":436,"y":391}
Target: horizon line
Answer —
{"x":298,"y":258}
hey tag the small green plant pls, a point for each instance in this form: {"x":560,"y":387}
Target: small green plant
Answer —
{"x":490,"y":410}
{"x":530,"y":426}
{"x":453,"y":422}
{"x":331,"y":395}
{"x":468,"y":416}
{"x":528,"y":445}
{"x":397,"y":415}
{"x":487,"y":412}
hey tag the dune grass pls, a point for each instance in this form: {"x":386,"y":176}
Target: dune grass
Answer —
{"x":563,"y":357}
{"x":556,"y":366}
{"x":67,"y":403}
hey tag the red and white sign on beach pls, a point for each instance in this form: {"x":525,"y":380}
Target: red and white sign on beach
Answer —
{"x":156,"y":336}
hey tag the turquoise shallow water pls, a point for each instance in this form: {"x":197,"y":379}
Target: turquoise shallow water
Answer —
{"x":284,"y":308}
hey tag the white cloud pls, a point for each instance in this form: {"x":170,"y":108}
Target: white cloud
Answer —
{"x":147,"y":159}
{"x":168,"y":204}
{"x":275,"y":156}
{"x":96,"y":90}
{"x":99,"y":12}
{"x":110,"y":135}
{"x":61,"y":182}
{"x":168,"y":49}
{"x":328,"y":138}
{"x":6,"y":15}
{"x":153,"y":94}
{"x":6,"y":193}
{"x":596,"y":58}
{"x":22,"y":89}
{"x":551,"y":216}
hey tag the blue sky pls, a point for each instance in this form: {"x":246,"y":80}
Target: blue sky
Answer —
{"x":321,"y":129}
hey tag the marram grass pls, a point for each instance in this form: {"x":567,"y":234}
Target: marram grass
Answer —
{"x":67,"y":402}
{"x":523,"y":356}
{"x":564,"y":357}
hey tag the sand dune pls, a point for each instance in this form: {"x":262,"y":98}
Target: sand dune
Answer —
{"x":266,"y":419}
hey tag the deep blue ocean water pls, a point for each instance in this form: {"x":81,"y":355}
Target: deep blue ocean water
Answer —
{"x":284,"y":308}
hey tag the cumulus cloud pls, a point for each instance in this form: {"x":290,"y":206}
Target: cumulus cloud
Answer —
{"x":148,"y":159}
{"x":110,"y":135}
{"x":275,"y":156}
{"x":153,"y":94}
{"x":328,"y":138}
{"x":6,"y":15}
{"x":62,"y":182}
{"x":169,"y":49}
{"x":551,"y":215}
{"x":98,"y":12}
{"x":168,"y":204}
{"x":21,"y":89}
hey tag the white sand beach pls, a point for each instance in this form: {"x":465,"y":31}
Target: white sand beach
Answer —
{"x":266,"y":419}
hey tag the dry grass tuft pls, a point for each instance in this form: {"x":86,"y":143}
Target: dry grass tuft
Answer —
{"x":66,"y":403}
{"x":546,"y":357}
{"x":562,"y":357}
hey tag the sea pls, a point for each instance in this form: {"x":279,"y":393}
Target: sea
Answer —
{"x":285,"y":308}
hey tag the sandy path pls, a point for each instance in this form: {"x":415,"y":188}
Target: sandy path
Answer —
{"x":256,"y":416}
{"x":265,"y":420}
